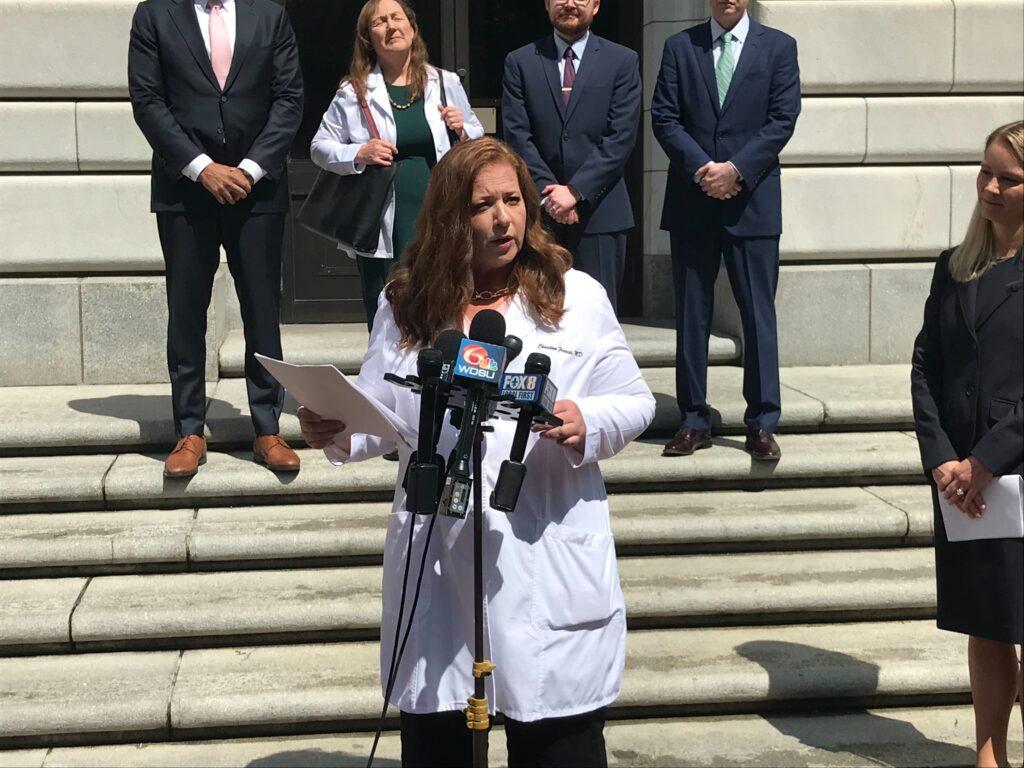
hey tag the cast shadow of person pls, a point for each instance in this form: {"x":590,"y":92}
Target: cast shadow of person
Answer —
{"x":878,"y":739}
{"x":318,"y":758}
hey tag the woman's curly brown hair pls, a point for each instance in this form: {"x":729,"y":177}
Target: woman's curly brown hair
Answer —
{"x":432,"y":287}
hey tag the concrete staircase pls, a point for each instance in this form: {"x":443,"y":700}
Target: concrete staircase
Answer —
{"x":780,"y":616}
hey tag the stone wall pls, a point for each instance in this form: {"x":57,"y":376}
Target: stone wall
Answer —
{"x":878,"y":178}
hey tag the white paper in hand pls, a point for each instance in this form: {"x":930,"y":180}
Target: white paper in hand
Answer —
{"x":1003,"y":517}
{"x":327,"y":391}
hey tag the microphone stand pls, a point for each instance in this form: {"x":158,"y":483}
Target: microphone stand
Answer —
{"x":477,"y":714}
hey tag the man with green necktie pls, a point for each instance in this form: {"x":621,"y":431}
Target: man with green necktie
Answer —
{"x":725,"y":104}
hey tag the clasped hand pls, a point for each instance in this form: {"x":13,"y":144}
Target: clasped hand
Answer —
{"x":718,"y":180}
{"x":561,"y":204}
{"x":969,"y":476}
{"x":226,"y":183}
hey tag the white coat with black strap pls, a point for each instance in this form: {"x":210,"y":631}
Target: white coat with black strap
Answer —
{"x":343,"y":130}
{"x":555,"y":617}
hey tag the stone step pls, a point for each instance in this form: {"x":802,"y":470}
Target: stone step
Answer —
{"x":169,"y":610}
{"x":696,"y":521}
{"x":96,"y":418}
{"x":899,"y":737}
{"x":127,"y":481}
{"x":148,"y":696}
{"x":344,"y":344}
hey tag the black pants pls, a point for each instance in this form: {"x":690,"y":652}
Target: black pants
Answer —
{"x":373,"y":276}
{"x":753,"y":267}
{"x":602,"y":256}
{"x":191,"y":245}
{"x":442,"y":740}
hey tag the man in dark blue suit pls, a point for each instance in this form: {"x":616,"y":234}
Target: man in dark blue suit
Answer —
{"x":725,"y":104}
{"x":571,"y":109}
{"x":217,"y":91}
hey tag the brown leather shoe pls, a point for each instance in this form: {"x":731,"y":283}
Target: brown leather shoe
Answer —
{"x":761,"y":446}
{"x":273,"y":451}
{"x":187,"y":456}
{"x":686,"y":441}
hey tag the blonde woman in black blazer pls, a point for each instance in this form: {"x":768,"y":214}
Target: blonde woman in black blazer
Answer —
{"x":967,"y":384}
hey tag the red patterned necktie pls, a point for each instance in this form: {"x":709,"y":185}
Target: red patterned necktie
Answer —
{"x":569,"y":76}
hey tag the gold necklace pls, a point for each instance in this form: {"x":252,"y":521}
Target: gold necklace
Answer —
{"x":396,"y":105}
{"x":492,"y":295}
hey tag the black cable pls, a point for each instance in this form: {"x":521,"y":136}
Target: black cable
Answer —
{"x":396,"y":658}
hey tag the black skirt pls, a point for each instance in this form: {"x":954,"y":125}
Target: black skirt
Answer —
{"x":980,"y":585}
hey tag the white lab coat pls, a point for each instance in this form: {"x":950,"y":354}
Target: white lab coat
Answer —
{"x":555,"y":617}
{"x":343,"y":131}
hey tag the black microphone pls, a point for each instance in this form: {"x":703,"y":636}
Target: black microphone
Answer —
{"x":514,"y":345}
{"x":447,"y":343}
{"x":534,"y":384}
{"x":480,"y":362}
{"x":426,"y":468}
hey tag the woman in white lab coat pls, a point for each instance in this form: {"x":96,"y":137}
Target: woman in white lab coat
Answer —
{"x":555,"y":619}
{"x":391,"y":73}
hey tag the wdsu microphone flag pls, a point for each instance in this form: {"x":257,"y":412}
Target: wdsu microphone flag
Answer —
{"x":481,"y":362}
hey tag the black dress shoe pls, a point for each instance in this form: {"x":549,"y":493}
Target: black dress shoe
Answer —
{"x":391,"y":455}
{"x":686,"y":441}
{"x":761,"y":446}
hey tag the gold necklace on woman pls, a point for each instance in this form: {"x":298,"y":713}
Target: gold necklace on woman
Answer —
{"x":492,"y":295}
{"x":396,"y":105}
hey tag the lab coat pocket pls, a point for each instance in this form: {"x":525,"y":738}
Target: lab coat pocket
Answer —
{"x":577,"y":581}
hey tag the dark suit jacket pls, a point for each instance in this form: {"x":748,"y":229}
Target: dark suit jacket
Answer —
{"x":750,"y":129}
{"x":183,"y":113}
{"x":968,"y":384}
{"x":586,"y":144}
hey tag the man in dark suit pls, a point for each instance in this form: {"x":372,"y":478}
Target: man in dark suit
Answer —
{"x":217,"y":91}
{"x":571,"y":108}
{"x":725,"y":104}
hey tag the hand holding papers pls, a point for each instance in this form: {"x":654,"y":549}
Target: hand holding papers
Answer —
{"x":327,"y":391}
{"x":1003,"y":517}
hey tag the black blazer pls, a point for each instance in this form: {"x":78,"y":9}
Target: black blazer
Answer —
{"x":750,"y":128}
{"x":966,"y":384}
{"x":587,"y":143}
{"x":183,"y":113}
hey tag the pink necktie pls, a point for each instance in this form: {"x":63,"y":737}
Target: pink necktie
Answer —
{"x":220,"y":46}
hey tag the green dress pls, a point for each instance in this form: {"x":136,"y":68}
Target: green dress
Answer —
{"x":416,"y":156}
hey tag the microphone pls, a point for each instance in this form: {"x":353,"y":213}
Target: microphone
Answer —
{"x":426,"y":469}
{"x":447,"y":342}
{"x":534,"y":394}
{"x":514,"y":345}
{"x":478,"y":367}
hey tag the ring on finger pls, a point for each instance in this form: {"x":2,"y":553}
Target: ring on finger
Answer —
{"x":960,"y":492}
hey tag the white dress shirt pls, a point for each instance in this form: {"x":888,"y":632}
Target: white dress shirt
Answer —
{"x":739,"y":36}
{"x":227,"y":12}
{"x":577,"y":48}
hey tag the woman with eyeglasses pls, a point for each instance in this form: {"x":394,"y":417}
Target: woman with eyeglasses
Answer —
{"x":391,"y":74}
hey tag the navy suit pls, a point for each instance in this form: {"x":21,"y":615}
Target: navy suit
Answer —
{"x":749,"y":129}
{"x":183,"y":112}
{"x":585,"y":144}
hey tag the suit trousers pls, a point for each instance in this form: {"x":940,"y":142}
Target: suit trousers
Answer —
{"x":191,"y":244}
{"x":442,"y":740}
{"x":602,"y":256}
{"x":753,"y":268}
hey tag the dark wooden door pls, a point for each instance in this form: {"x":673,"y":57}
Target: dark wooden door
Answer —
{"x":471,"y":37}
